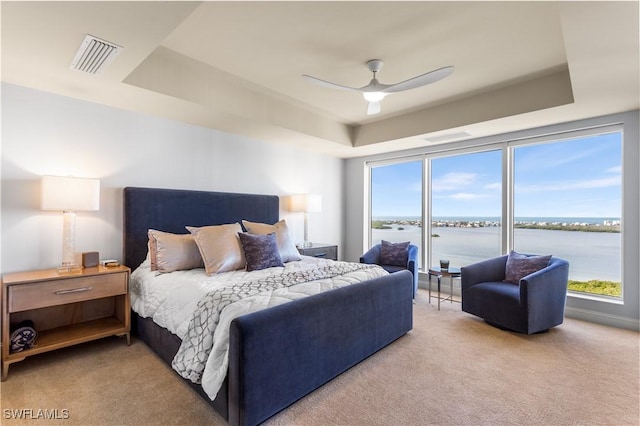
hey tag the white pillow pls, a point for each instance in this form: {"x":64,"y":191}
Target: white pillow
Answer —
{"x":220,"y":247}
{"x":173,"y":252}
{"x":287,"y":248}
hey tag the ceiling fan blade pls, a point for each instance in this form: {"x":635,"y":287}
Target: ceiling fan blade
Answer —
{"x":329,"y":84}
{"x":421,"y":80}
{"x":373,"y":108}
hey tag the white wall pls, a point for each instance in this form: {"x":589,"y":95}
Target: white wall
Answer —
{"x":622,"y":315}
{"x":44,"y":134}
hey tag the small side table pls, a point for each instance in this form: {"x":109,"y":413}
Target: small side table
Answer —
{"x":66,"y":309}
{"x":439,"y":273}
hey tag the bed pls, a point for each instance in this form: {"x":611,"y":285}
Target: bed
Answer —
{"x":280,"y":354}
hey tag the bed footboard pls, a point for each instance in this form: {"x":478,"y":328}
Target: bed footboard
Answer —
{"x":281,"y":354}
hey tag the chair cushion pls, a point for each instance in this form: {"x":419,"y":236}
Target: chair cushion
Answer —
{"x":394,"y":253}
{"x":392,"y":268}
{"x":499,"y":290}
{"x":521,"y":265}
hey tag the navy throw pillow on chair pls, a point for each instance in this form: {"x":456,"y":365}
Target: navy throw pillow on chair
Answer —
{"x":395,"y":254}
{"x":520,"y":265}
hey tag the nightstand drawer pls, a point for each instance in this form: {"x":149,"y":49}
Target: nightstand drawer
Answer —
{"x":69,"y":290}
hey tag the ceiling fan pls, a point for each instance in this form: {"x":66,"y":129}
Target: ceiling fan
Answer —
{"x":375,"y":91}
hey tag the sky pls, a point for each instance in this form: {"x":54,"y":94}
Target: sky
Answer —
{"x":572,"y":178}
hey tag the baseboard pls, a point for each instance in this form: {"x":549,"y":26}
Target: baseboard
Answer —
{"x":602,"y":318}
{"x":576,"y":313}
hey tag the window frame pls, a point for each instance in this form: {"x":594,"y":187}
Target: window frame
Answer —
{"x":565,"y":136}
{"x":369,"y":166}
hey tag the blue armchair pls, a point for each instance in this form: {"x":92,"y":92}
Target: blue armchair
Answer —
{"x":533,"y":305}
{"x":372,"y":256}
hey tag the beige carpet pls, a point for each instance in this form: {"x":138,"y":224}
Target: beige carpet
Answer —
{"x":452,"y":369}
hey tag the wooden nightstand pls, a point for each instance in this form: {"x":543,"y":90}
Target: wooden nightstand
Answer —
{"x":66,"y":309}
{"x":325,"y":251}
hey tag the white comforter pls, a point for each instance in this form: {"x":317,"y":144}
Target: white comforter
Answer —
{"x":170,"y":300}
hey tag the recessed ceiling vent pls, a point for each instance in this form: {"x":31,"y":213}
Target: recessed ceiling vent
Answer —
{"x":447,"y":137}
{"x":94,"y":55}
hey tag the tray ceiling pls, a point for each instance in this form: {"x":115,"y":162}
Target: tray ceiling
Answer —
{"x":237,"y":66}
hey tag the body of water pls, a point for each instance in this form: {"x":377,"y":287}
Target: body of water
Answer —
{"x":591,"y":255}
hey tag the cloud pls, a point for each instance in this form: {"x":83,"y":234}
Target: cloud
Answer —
{"x":567,"y":186}
{"x":452,"y":181}
{"x":495,"y":186}
{"x":466,"y":196}
{"x":614,"y":169}
{"x":553,"y":156}
{"x":415,"y":187}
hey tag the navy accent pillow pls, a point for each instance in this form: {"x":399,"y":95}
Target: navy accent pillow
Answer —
{"x":260,"y":251}
{"x":395,"y":254}
{"x":521,"y":265}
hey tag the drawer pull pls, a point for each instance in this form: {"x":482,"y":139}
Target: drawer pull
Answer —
{"x":320,"y":255}
{"x":74,"y":290}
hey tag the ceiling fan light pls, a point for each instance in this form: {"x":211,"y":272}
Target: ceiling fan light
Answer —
{"x":374,"y":96}
{"x":373,"y":108}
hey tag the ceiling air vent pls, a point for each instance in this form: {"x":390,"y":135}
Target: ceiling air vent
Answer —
{"x":94,"y":55}
{"x":447,"y":137}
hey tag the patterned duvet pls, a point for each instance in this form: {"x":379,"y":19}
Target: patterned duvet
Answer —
{"x":183,"y":303}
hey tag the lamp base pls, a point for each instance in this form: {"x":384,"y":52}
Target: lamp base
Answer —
{"x":69,"y":264}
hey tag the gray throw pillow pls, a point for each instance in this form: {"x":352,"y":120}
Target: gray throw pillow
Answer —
{"x":260,"y":251}
{"x":395,"y":254}
{"x":288,"y":250}
{"x":219,"y":247}
{"x":173,"y":252}
{"x":520,"y":265}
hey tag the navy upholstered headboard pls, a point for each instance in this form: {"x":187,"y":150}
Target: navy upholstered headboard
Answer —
{"x":170,"y":210}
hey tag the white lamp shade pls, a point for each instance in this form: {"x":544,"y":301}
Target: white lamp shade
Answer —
{"x":307,"y":203}
{"x":70,"y":193}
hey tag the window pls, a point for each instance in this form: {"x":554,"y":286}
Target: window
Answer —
{"x":568,"y":202}
{"x":396,"y":203}
{"x":564,"y":198}
{"x":466,"y":208}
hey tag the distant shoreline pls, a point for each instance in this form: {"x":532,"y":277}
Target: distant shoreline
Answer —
{"x":606,"y":225}
{"x":574,"y":228}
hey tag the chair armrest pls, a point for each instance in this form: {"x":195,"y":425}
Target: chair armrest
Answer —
{"x":412,"y":259}
{"x":372,"y":256}
{"x":412,"y":265}
{"x":549,"y":282}
{"x":487,"y":270}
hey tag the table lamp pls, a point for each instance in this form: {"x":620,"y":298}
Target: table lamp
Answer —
{"x":69,"y":194}
{"x":305,"y":203}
